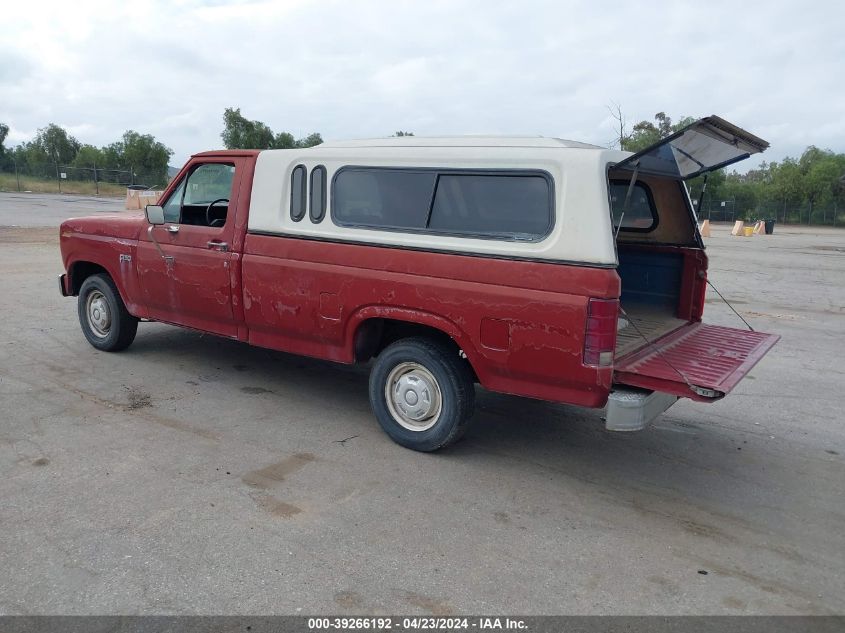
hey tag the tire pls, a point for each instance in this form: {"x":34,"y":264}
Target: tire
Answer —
{"x":435,"y":408}
{"x":105,"y":322}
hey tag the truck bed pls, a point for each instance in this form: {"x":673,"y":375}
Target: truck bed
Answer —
{"x":647,"y":321}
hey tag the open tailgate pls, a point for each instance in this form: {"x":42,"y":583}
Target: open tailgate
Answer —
{"x":698,"y":361}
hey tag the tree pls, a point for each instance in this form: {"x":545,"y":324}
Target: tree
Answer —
{"x":89,"y":156}
{"x":646,"y":133}
{"x":6,"y":156}
{"x":713,"y":193}
{"x":743,"y":194}
{"x":786,"y":183}
{"x":140,"y":153}
{"x":310,"y":141}
{"x":32,"y":154}
{"x":57,"y":144}
{"x":241,"y":133}
{"x":623,"y":136}
{"x":819,"y":180}
{"x":284,"y":140}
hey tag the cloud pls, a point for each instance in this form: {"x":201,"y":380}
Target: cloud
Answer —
{"x":368,"y":68}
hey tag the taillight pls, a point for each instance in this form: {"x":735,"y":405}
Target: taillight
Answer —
{"x":600,"y":338}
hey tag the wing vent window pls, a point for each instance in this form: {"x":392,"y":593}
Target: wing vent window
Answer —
{"x":318,"y":194}
{"x":297,"y":193}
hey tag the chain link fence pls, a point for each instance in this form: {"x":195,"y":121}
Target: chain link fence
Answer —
{"x":96,"y":181}
{"x":828,"y":213}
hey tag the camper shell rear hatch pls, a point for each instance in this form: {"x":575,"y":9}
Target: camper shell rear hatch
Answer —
{"x":697,"y":361}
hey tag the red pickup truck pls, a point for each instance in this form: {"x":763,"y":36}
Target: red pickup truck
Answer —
{"x":533,"y":266}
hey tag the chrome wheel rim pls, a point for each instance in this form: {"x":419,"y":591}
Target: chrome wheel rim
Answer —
{"x":98,"y":314}
{"x":413,"y":396}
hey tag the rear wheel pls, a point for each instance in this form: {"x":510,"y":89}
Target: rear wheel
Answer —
{"x":105,"y":322}
{"x":422,"y":393}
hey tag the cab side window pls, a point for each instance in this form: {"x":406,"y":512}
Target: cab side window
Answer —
{"x":202,"y":199}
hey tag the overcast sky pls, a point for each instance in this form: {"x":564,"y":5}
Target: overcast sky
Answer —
{"x":352,"y":69}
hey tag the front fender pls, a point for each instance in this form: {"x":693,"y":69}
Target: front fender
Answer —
{"x":114,"y":255}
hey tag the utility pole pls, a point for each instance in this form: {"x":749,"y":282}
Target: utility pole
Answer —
{"x":17,"y":175}
{"x":58,"y":178}
{"x":96,"y":182}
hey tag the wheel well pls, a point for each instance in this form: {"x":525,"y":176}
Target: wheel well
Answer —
{"x":80,"y":271}
{"x":373,"y":335}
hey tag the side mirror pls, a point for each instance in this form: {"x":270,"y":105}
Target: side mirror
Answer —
{"x":155,"y":214}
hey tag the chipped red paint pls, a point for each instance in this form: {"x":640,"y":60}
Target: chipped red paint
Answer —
{"x":198,"y":288}
{"x":543,"y":306}
{"x":101,"y":240}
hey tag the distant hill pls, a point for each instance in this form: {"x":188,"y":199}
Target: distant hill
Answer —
{"x":172,"y":171}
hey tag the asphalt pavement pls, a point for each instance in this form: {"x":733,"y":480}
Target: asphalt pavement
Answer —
{"x":191,"y":474}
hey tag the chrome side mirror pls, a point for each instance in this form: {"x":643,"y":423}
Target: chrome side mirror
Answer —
{"x":155,"y":214}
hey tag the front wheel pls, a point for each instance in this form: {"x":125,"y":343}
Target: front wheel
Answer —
{"x":105,"y":322}
{"x":422,"y":393}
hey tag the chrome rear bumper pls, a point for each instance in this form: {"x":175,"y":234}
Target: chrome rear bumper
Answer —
{"x":633,"y":410}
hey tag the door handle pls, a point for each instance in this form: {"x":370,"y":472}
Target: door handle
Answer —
{"x":173,"y":228}
{"x":217,"y":245}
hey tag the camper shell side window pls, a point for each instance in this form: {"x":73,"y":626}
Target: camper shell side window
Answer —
{"x":510,"y":205}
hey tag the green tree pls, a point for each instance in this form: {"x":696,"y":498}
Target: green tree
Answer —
{"x":646,"y":133}
{"x":140,"y":153}
{"x":743,"y":195}
{"x":241,"y":133}
{"x":57,"y":144}
{"x":89,"y":156}
{"x":32,"y":154}
{"x":310,"y":141}
{"x":284,"y":140}
{"x":819,"y":182}
{"x":6,"y":156}
{"x":713,"y":194}
{"x":785,"y":184}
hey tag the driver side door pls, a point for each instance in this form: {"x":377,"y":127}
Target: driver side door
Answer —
{"x":185,"y":266}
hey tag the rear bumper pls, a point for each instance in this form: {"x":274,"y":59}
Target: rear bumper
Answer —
{"x":63,"y":285}
{"x":634,"y":409}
